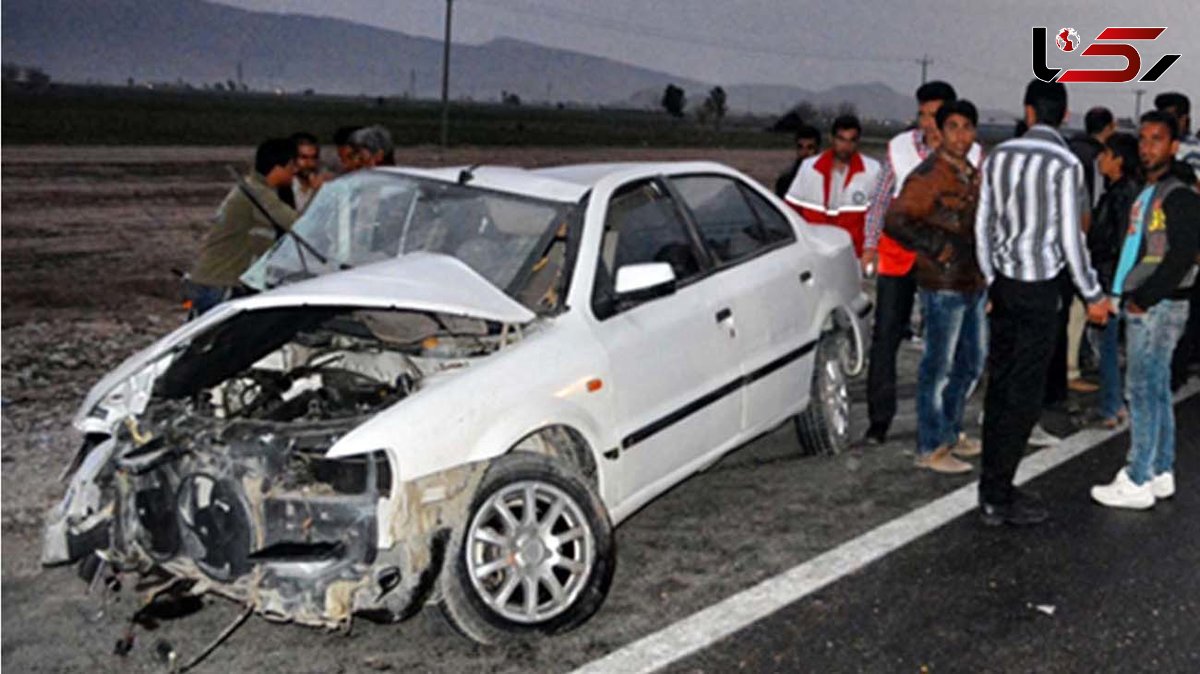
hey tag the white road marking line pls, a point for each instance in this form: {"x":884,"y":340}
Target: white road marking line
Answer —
{"x":709,"y":625}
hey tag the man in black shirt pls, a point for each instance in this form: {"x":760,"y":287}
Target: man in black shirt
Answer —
{"x":808,"y":144}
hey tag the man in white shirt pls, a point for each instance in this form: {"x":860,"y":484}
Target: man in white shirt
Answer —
{"x":308,"y":177}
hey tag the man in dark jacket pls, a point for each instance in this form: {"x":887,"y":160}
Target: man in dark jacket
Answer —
{"x":934,"y":215}
{"x":1099,"y":126}
{"x":1122,"y":171}
{"x":808,"y":144}
{"x":1155,"y":274}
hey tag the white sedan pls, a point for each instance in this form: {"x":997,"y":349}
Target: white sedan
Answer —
{"x":455,"y":383}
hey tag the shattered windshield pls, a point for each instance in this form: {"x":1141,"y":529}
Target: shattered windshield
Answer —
{"x":371,"y":216}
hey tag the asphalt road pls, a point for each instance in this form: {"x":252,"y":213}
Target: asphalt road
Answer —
{"x":1093,"y":590}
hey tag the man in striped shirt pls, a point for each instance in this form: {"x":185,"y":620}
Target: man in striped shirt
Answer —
{"x":1028,"y":232}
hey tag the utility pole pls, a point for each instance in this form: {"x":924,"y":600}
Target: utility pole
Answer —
{"x":240,"y":81}
{"x":446,"y":78}
{"x":412,"y":83}
{"x":1137,"y":107}
{"x":925,"y":62}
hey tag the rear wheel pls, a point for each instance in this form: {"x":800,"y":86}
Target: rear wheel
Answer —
{"x":823,"y":428}
{"x":534,"y":556}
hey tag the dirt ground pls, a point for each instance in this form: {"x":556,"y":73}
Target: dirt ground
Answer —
{"x":89,"y":238}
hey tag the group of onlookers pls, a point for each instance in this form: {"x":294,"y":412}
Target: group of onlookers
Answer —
{"x":1010,"y":257}
{"x":267,"y":199}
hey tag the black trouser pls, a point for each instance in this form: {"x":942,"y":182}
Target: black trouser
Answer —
{"x":1023,"y":325}
{"x":1187,"y":351}
{"x":893,"y":315}
{"x":1056,"y":375}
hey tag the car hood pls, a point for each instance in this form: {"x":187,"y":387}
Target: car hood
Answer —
{"x":418,"y":281}
{"x":427,"y":282}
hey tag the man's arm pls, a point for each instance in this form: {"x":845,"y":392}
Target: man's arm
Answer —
{"x":1071,"y":196}
{"x":905,"y":219}
{"x":1182,"y":209}
{"x":880,"y":199}
{"x":985,"y":216}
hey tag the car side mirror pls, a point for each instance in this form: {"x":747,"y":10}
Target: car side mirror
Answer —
{"x":641,"y":282}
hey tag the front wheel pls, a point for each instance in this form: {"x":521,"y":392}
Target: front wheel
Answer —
{"x":534,"y":556}
{"x":823,"y":428}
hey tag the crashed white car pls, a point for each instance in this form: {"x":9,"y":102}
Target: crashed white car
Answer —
{"x":455,"y":383}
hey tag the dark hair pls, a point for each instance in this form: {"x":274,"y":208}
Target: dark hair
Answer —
{"x":843,"y":122}
{"x":342,"y":135}
{"x":1160,"y":117}
{"x":1173,"y":99}
{"x":810,"y":132}
{"x":1096,"y":120}
{"x":936,"y":90}
{"x":304,"y":138}
{"x":274,"y":152}
{"x":1048,"y":100}
{"x":1125,"y":146}
{"x":961,"y":107}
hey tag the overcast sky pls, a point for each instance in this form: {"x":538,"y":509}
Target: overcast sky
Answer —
{"x":983,"y":48}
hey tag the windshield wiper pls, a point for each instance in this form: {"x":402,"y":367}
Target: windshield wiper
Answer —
{"x":280,"y":229}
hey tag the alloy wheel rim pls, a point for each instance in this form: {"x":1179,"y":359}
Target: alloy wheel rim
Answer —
{"x":837,"y":398}
{"x":529,"y":551}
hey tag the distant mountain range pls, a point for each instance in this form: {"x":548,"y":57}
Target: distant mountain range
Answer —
{"x":199,"y":43}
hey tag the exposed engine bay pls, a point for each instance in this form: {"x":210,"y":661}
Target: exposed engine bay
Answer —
{"x":289,"y":365}
{"x":223,"y":479}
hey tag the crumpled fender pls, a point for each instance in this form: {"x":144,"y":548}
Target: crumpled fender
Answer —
{"x":483,"y":413}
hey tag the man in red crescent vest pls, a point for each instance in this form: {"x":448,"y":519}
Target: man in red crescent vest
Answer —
{"x":833,"y":187}
{"x":896,"y":284}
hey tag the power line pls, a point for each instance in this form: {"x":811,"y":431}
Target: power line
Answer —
{"x":925,"y":62}
{"x":446,"y":78}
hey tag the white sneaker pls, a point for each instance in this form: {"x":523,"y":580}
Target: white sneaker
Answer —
{"x":1041,"y":438}
{"x":1163,"y":485}
{"x":1123,"y":493}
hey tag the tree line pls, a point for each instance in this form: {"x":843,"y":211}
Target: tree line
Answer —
{"x":715,"y":106}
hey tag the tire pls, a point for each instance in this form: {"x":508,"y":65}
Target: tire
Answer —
{"x":497,"y":559}
{"x":823,"y":428}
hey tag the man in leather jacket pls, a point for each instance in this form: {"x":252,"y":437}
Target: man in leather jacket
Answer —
{"x":934,"y":215}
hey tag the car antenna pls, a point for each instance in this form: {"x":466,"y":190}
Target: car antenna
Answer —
{"x":468,"y":174}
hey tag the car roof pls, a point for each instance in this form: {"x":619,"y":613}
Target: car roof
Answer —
{"x":568,"y":183}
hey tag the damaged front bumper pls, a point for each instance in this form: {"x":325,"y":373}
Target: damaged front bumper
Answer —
{"x":253,"y":511}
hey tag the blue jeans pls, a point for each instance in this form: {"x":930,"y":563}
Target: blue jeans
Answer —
{"x":1149,"y":340}
{"x":955,"y":348}
{"x":203,"y":297}
{"x":1112,"y":392}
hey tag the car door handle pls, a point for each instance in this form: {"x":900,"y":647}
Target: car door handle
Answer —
{"x":724,"y":315}
{"x":806,"y":276}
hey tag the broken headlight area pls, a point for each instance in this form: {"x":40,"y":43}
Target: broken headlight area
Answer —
{"x":223,"y":478}
{"x":252,"y":511}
